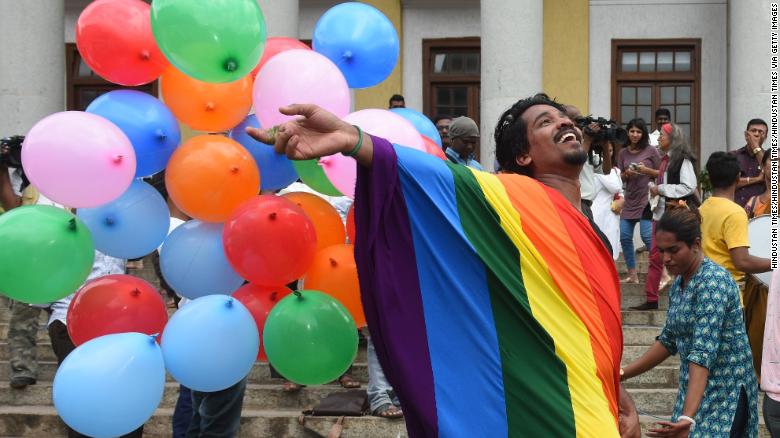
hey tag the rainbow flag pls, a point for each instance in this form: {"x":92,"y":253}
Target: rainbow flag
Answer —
{"x":493,"y":306}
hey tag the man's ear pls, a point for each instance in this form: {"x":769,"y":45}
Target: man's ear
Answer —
{"x":523,"y":160}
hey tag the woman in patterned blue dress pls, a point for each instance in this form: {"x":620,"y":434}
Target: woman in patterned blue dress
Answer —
{"x":717,"y":394}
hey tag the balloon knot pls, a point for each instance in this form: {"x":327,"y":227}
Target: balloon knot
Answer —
{"x":324,"y":161}
{"x":272,"y":216}
{"x":298,"y":294}
{"x":145,"y":55}
{"x":118,"y":159}
{"x":231,"y":65}
{"x":234,"y":169}
{"x":347,"y":54}
{"x":153,"y":338}
{"x":229,"y":303}
{"x":135,"y":292}
{"x":333,"y":262}
{"x":160,"y":134}
{"x":210,"y":106}
{"x":72,"y":224}
{"x":109,"y":220}
{"x":273,"y":296}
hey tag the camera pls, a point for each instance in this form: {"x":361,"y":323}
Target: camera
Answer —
{"x":608,"y":130}
{"x":11,"y":151}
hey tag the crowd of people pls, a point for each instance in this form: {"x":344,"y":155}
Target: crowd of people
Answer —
{"x":698,"y":248}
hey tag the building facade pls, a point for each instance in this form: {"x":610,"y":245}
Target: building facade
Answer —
{"x":705,"y":60}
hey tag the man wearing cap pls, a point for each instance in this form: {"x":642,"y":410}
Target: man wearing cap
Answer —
{"x":464,"y":141}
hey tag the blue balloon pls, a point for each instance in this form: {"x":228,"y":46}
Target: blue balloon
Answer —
{"x":210,"y":343}
{"x":193,"y":261}
{"x":423,"y":124}
{"x":276,"y":170}
{"x":150,"y":126}
{"x":360,"y":40}
{"x":131,"y":226}
{"x":110,"y":385}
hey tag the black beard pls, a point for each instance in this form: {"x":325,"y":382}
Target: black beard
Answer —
{"x":576,"y":158}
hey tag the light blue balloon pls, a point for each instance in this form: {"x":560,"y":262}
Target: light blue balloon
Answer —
{"x":210,"y":343}
{"x":276,"y":170}
{"x":131,"y":226}
{"x":423,"y":124}
{"x":360,"y":40}
{"x":110,"y":385}
{"x":147,"y":122}
{"x":193,"y":262}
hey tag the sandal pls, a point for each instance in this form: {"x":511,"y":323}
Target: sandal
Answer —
{"x":630,"y":280}
{"x":388,"y":410}
{"x":291,"y":387}
{"x":348,"y":382}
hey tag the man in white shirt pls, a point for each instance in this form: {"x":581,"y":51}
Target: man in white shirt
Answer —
{"x":662,"y":117}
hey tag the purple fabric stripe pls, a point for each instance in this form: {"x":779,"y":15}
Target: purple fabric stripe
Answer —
{"x":391,"y":294}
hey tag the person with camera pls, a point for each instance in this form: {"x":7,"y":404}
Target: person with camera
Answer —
{"x":636,"y":208}
{"x":16,"y":191}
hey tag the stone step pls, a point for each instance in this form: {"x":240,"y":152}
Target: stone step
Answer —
{"x":660,"y":402}
{"x":43,"y":422}
{"x":640,"y":335}
{"x":260,"y":373}
{"x":664,"y":376}
{"x":633,"y":352}
{"x":42,"y":334}
{"x":656,"y":318}
{"x":635,"y":300}
{"x":43,"y":351}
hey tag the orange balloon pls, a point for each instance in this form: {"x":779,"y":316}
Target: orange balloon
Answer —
{"x":206,"y":106}
{"x":432,"y":148}
{"x":334,"y":272}
{"x":326,"y":220}
{"x":351,"y":224}
{"x":209,"y":176}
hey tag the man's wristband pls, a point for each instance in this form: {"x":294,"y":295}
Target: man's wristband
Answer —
{"x":756,"y":151}
{"x":359,"y":144}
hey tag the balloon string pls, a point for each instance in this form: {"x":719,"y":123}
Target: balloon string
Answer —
{"x":298,"y":294}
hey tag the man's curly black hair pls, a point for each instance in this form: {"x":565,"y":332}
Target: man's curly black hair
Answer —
{"x":511,"y":132}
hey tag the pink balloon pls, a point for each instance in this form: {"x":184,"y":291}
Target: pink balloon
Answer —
{"x":78,"y":159}
{"x":342,"y":171}
{"x":298,"y":76}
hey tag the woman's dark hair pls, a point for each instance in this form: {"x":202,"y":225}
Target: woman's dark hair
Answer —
{"x":685,"y":224}
{"x":642,"y":126}
{"x":511,"y":134}
{"x":723,"y":169}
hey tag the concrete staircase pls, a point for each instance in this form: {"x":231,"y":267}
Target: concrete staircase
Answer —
{"x":270,"y":412}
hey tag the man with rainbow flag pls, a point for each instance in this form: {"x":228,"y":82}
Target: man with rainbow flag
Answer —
{"x":493,"y":304}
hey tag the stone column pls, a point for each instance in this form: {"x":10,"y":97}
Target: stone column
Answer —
{"x":748,"y":69}
{"x":32,"y":52}
{"x":511,"y":34}
{"x":281,"y":17}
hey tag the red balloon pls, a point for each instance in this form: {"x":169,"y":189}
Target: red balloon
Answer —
{"x":115,"y":39}
{"x":115,"y":304}
{"x":275,"y":46}
{"x":432,"y":148}
{"x":269,"y":240}
{"x":259,"y":300}
{"x":351,"y":224}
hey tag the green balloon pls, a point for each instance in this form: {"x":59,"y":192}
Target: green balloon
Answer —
{"x":310,"y":338}
{"x":46,"y":254}
{"x":313,"y":176}
{"x":213,"y":40}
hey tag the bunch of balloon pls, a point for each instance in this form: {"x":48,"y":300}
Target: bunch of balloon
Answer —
{"x":259,"y":300}
{"x":115,"y":304}
{"x":310,"y":338}
{"x":334,"y":272}
{"x":269,"y":240}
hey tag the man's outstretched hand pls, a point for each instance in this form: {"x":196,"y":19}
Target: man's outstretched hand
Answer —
{"x":314,"y":133}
